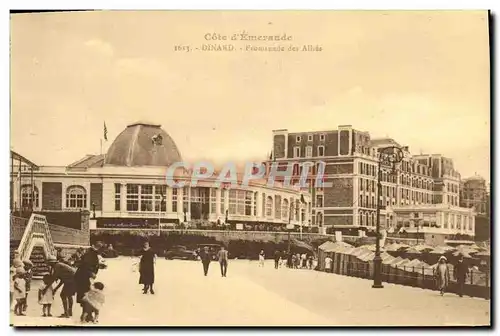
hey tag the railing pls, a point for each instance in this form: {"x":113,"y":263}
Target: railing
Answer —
{"x":36,"y":225}
{"x":64,"y":235}
{"x":477,"y":283}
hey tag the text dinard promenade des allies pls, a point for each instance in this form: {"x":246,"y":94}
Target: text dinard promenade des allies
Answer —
{"x":249,"y":43}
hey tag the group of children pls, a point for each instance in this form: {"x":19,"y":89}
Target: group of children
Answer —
{"x":21,"y":273}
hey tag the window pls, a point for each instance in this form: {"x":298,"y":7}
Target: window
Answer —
{"x":28,"y":197}
{"x":146,"y":196}
{"x":321,"y":137}
{"x":186,"y":191}
{"x":309,"y":151}
{"x":240,"y":202}
{"x":296,"y":152}
{"x":269,"y":206}
{"x":284,"y":209}
{"x":118,"y":196}
{"x":76,"y":197}
{"x":233,"y":203}
{"x":319,"y":219}
{"x":309,"y":137}
{"x":213,"y":200}
{"x":319,"y":201}
{"x":248,"y":203}
{"x":132,"y":197}
{"x":321,"y":150}
{"x":255,"y":204}
{"x":160,"y":198}
{"x":174,"y":199}
{"x":277,"y":207}
{"x":298,"y":138}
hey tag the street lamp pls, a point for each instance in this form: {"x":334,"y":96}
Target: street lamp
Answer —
{"x":388,"y":156}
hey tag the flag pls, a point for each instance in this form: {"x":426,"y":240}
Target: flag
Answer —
{"x":105,"y":132}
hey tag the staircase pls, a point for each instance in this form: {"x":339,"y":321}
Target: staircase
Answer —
{"x":32,"y":239}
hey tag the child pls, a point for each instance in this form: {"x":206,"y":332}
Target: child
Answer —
{"x":28,"y":267}
{"x":12,"y":274}
{"x":92,"y":303}
{"x":46,"y":295}
{"x":19,"y":291}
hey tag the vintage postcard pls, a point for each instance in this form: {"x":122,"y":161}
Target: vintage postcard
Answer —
{"x":250,"y":168}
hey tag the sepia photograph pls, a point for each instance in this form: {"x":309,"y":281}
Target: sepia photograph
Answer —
{"x":223,"y":168}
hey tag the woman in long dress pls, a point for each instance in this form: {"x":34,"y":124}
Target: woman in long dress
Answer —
{"x":442,"y":274}
{"x":147,"y":269}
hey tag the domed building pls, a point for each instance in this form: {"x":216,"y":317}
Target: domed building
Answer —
{"x":127,"y":188}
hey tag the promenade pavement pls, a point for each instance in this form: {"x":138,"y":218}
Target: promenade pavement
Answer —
{"x":260,"y":296}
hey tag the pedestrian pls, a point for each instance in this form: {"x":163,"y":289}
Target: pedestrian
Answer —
{"x":87,"y":269}
{"x":223,"y":259}
{"x":11,"y":277}
{"x":289,"y":260}
{"x":297,"y":261}
{"x":262,"y":258}
{"x":19,"y":294}
{"x":328,"y":263}
{"x":310,"y":262}
{"x":65,"y":274}
{"x":442,"y":274}
{"x":28,"y":267}
{"x":147,"y":269}
{"x":46,"y":295}
{"x":460,"y":274}
{"x":93,"y":302}
{"x":303,"y":259}
{"x":277,"y":258}
{"x":206,"y":258}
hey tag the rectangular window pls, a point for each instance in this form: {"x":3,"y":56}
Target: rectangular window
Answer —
{"x":255,"y":204}
{"x":298,"y":138}
{"x":118,"y":189}
{"x":213,"y":200}
{"x":248,"y":203}
{"x":232,"y":202}
{"x":319,"y":201}
{"x":174,"y":200}
{"x":321,"y":137}
{"x":160,"y":198}
{"x":309,"y":137}
{"x":132,"y":197}
{"x":296,"y":152}
{"x":146,"y":197}
{"x":309,"y":151}
{"x":185,"y":199}
{"x":277,"y":207}
{"x":321,"y":150}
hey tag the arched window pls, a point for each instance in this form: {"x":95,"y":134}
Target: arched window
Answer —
{"x":369,"y":220}
{"x":26,"y":196}
{"x":374,"y":220}
{"x":284,"y":209}
{"x":361,"y":218}
{"x":277,"y":207}
{"x":319,"y":219}
{"x":76,"y":197}
{"x":365,"y":219}
{"x":269,"y":206}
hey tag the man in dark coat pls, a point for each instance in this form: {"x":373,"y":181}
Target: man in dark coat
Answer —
{"x":87,"y":269}
{"x":277,"y":257}
{"x":460,"y":273}
{"x":66,"y":276}
{"x":206,"y":258}
{"x":223,"y":257}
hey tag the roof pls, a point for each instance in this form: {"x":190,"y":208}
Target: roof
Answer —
{"x":143,"y":144}
{"x":17,"y":156}
{"x":88,"y":161}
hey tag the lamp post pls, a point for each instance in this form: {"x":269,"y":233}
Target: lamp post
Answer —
{"x":388,"y":156}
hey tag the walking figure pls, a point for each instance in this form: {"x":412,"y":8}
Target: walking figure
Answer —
{"x":223,"y":259}
{"x":147,"y":269}
{"x":442,"y":274}
{"x":206,"y":258}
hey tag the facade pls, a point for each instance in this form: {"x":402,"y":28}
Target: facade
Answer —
{"x":474,"y":194}
{"x":350,"y":157}
{"x":127,"y":187}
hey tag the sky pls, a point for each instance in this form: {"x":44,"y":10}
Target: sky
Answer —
{"x":421,"y":78}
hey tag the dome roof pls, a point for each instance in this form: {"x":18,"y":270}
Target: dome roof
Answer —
{"x":143,"y":144}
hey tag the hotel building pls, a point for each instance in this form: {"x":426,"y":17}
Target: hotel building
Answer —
{"x":421,"y":195}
